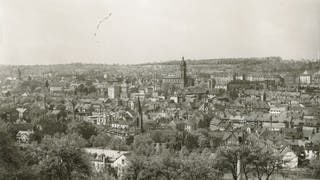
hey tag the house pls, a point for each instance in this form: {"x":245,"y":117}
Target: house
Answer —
{"x":26,"y":94}
{"x":316,"y":78}
{"x":277,"y":109}
{"x":56,"y":89}
{"x":96,"y":118}
{"x":119,"y":126}
{"x":290,"y":159}
{"x":114,"y":91}
{"x":273,"y":126}
{"x":24,"y":136}
{"x":214,"y":124}
{"x":290,"y":79}
{"x":188,"y":126}
{"x":315,"y":139}
{"x":310,"y":154}
{"x":120,"y":165}
{"x":263,"y":77}
{"x":308,"y":132}
{"x":102,"y":159}
{"x":305,"y":78}
{"x":232,"y":138}
{"x":221,"y":79}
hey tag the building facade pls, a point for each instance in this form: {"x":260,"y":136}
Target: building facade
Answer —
{"x":114,"y":92}
{"x":182,"y":80}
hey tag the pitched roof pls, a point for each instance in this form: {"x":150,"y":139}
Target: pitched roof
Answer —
{"x":111,"y":154}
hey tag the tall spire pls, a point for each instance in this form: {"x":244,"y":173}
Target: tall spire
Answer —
{"x":19,"y":74}
{"x":140,"y":120}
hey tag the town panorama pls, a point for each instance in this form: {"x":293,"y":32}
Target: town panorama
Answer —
{"x":159,"y":89}
{"x":237,"y":118}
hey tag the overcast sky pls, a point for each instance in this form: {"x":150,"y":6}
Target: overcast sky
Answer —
{"x":62,"y":31}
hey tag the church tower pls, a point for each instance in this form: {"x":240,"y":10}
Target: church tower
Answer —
{"x":140,"y":117}
{"x":183,"y":72}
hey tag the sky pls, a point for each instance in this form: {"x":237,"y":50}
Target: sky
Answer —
{"x":139,"y":31}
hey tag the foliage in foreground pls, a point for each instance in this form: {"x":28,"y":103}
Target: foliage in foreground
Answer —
{"x":56,"y":157}
{"x":148,"y":162}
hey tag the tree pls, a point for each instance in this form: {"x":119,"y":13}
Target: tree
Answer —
{"x":233,"y":94}
{"x":51,"y":124}
{"x":136,"y":166}
{"x":191,"y":141}
{"x":315,"y":166}
{"x":92,"y":89}
{"x":83,"y":128}
{"x":29,"y":169}
{"x":143,"y":145}
{"x":9,"y":114}
{"x":162,"y":136}
{"x":117,"y":143}
{"x":80,"y":89}
{"x":204,"y":123}
{"x":46,"y":84}
{"x":74,"y":103}
{"x":163,"y":166}
{"x":227,"y":159}
{"x":168,"y":165}
{"x":156,"y":136}
{"x":30,"y":84}
{"x":63,"y":158}
{"x":257,"y":157}
{"x":35,"y":113}
{"x":102,"y":139}
{"x":203,"y":142}
{"x":200,"y":166}
{"x":265,"y":162}
{"x":215,"y":140}
{"x":9,"y":155}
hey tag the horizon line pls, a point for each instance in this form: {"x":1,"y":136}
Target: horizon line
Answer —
{"x":163,"y":61}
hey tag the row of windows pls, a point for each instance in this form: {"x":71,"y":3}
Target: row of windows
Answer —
{"x":173,"y":80}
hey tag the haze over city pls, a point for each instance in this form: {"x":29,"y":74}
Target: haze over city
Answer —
{"x":138,"y":31}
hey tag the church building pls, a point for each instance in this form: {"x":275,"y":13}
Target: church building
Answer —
{"x":182,"y":80}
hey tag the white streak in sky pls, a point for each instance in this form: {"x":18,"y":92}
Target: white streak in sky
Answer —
{"x":101,"y":21}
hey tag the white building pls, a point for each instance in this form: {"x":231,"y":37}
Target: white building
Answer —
{"x":24,"y":136}
{"x":305,"y":78}
{"x":277,"y":110}
{"x":290,"y":159}
{"x":101,"y":159}
{"x":114,"y":92}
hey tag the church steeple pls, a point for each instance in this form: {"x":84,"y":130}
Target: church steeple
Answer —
{"x":183,"y":71}
{"x":140,"y":117}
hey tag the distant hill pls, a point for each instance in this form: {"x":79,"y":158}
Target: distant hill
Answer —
{"x":252,"y":60}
